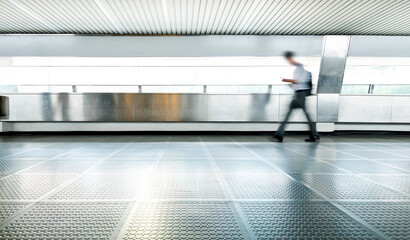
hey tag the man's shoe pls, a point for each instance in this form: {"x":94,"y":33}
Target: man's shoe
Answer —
{"x":275,"y":138}
{"x":312,"y":139}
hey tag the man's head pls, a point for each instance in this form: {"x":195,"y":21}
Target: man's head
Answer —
{"x":288,"y":55}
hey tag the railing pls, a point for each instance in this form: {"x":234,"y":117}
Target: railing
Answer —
{"x":354,"y":89}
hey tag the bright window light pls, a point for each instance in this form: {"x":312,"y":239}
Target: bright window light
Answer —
{"x":118,"y":74}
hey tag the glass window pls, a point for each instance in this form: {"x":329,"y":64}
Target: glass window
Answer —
{"x":117,"y":74}
{"x":388,"y":75}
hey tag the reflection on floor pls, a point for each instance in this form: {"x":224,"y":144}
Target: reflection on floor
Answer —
{"x":204,"y":187}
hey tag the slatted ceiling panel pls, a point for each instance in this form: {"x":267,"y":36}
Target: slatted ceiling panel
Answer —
{"x":157,"y":17}
{"x":8,"y":15}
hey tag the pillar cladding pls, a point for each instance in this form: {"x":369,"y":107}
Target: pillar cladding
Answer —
{"x":332,"y":66}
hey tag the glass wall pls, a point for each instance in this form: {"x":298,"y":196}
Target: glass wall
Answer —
{"x":377,"y":75}
{"x":115,"y":74}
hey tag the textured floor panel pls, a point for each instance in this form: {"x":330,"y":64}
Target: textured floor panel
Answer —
{"x":184,"y":166}
{"x":267,"y":186}
{"x":223,"y":146}
{"x":405,"y":164}
{"x":364,"y":166}
{"x":182,"y":185}
{"x":67,"y":166}
{"x":373,"y":154}
{"x":42,"y":153}
{"x":100,"y":187}
{"x":187,"y":195}
{"x":392,"y":219}
{"x":184,"y":145}
{"x":279,"y":153}
{"x":399,"y":182}
{"x":314,"y":220}
{"x":183,"y":154}
{"x":125,"y":167}
{"x":11,"y":166}
{"x":331,"y":154}
{"x":137,"y":153}
{"x":237,"y":154}
{"x":8,"y":209}
{"x":303,"y":166}
{"x":349,"y":187}
{"x":90,"y":153}
{"x":244,"y":166}
{"x":146,"y":145}
{"x":188,"y":220}
{"x":29,"y":187}
{"x":403,"y":153}
{"x":342,"y":147}
{"x":67,"y":221}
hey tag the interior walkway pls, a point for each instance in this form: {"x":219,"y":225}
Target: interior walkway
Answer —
{"x":204,"y":187}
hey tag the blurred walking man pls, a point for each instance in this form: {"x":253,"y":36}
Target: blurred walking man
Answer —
{"x":302,"y":85}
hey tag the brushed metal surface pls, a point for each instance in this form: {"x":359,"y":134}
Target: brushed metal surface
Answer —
{"x":327,"y":107}
{"x":144,"y":107}
{"x":157,"y":46}
{"x":332,"y":67}
{"x":365,"y":109}
{"x":400,"y":110}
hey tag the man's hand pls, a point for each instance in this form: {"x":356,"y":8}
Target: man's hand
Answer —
{"x":289,"y":80}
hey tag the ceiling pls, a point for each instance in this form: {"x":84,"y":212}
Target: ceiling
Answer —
{"x":192,"y":17}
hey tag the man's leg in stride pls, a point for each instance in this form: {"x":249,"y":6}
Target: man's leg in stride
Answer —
{"x":281,"y":130}
{"x":314,"y":135}
{"x":278,"y":136}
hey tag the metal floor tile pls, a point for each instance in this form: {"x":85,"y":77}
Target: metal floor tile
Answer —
{"x":392,"y":219}
{"x":374,"y":154}
{"x":66,"y":166}
{"x":188,"y":220}
{"x":137,"y":153}
{"x":244,"y":166}
{"x":29,"y":187}
{"x":338,"y":187}
{"x":267,"y":186}
{"x":67,"y":221}
{"x":90,"y":153}
{"x":8,"y":209}
{"x":184,"y":186}
{"x":304,"y":166}
{"x":204,"y":187}
{"x":184,"y":166}
{"x":399,"y":182}
{"x":236,"y":154}
{"x":405,"y":164}
{"x":184,"y":154}
{"x":364,"y":167}
{"x":123,"y":167}
{"x":310,"y":220}
{"x":101,"y":187}
{"x":11,"y":166}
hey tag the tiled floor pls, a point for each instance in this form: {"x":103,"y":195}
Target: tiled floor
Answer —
{"x":204,"y":187}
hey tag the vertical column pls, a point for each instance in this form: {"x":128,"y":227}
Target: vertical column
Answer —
{"x":332,"y":68}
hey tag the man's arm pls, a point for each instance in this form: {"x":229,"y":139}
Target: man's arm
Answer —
{"x":289,"y":80}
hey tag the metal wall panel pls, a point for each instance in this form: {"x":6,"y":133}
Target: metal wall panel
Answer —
{"x":365,"y":109}
{"x":134,"y":107}
{"x":333,"y":64}
{"x":157,"y":46}
{"x":400,"y":109}
{"x":379,"y":46}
